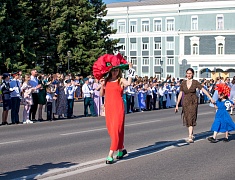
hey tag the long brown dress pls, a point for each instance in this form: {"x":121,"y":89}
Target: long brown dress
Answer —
{"x":190,"y":103}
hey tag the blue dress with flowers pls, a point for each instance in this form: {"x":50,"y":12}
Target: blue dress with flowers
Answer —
{"x":223,"y":121}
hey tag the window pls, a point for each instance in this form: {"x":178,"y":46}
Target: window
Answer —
{"x":170,"y":25}
{"x":195,"y":49}
{"x":157,"y":46}
{"x":220,"y":48}
{"x":134,"y":60}
{"x":145,"y":61}
{"x":157,"y":61}
{"x":170,"y":45}
{"x":220,"y":43}
{"x":145,"y":46}
{"x":220,"y":22}
{"x":133,"y":46}
{"x":194,"y":23}
{"x":121,"y":27}
{"x":194,"y":45}
{"x":133,"y":26}
{"x":145,"y":26}
{"x":170,"y":61}
{"x":157,"y":25}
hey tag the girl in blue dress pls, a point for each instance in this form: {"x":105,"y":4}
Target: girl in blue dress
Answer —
{"x":223,"y":123}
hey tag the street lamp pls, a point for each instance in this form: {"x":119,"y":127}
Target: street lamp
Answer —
{"x":161,"y":63}
{"x":69,"y":55}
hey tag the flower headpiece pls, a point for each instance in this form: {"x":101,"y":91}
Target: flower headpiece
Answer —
{"x":106,"y":63}
{"x":223,"y":89}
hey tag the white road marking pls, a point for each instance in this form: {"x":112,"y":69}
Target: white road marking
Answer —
{"x":100,"y":163}
{"x":127,"y":125}
{"x":11,"y":142}
{"x":100,"y":129}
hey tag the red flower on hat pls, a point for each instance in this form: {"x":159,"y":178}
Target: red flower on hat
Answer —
{"x":223,"y":89}
{"x":105,"y":63}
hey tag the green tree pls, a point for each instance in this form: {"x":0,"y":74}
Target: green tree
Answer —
{"x":16,"y":30}
{"x":79,"y":27}
{"x":39,"y":33}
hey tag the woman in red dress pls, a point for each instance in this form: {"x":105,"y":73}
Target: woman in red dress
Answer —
{"x":112,"y":89}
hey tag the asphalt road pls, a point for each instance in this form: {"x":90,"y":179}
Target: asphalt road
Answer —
{"x":76,"y":149}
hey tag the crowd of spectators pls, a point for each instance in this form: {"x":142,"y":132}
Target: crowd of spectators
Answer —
{"x":54,"y":94}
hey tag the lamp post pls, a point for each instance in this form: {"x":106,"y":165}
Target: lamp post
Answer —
{"x":68,"y":54}
{"x":161,"y":63}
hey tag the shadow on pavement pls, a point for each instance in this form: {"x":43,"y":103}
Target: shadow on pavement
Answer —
{"x":31,"y":172}
{"x":161,"y":145}
{"x":231,"y":137}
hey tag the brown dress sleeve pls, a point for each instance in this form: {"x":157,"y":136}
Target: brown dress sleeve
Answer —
{"x":198,"y":85}
{"x":182,"y":86}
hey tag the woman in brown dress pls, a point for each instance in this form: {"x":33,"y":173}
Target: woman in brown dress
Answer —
{"x":190,"y":101}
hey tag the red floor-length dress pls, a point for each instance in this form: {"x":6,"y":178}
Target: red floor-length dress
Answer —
{"x":114,"y":113}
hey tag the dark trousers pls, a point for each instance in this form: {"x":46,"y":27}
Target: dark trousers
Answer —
{"x":34,"y":107}
{"x":154,"y":101}
{"x":160,"y":102}
{"x":202,"y":101}
{"x":49,"y":111}
{"x":128,"y":102}
{"x":70,"y":103}
{"x":89,"y":102}
{"x":132,"y":103}
{"x":15,"y":107}
{"x":148,"y":102}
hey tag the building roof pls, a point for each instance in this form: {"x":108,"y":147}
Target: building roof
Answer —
{"x":154,"y":2}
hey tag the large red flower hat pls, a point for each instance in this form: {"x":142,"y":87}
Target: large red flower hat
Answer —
{"x":223,"y":89}
{"x":105,"y":63}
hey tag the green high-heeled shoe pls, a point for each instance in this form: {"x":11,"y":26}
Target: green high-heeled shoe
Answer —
{"x":122,"y":153}
{"x":109,"y":160}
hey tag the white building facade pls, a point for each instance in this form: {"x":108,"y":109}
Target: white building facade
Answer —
{"x":161,"y":38}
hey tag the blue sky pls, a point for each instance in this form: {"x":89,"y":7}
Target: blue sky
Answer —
{"x":113,"y":1}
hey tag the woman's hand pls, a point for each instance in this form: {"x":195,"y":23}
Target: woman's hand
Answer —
{"x":102,"y":82}
{"x":176,"y":108}
{"x":212,"y":101}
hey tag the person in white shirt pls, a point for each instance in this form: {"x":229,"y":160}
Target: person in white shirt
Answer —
{"x":88,"y":99}
{"x":69,"y":92}
{"x":34,"y":83}
{"x":129,"y":93}
{"x":162,"y":97}
{"x":15,"y":98}
{"x":49,"y":99}
{"x":27,"y":99}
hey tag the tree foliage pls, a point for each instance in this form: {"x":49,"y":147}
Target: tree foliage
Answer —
{"x":39,"y":33}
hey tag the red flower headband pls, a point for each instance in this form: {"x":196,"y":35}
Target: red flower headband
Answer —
{"x":223,"y":88}
{"x":107,"y":62}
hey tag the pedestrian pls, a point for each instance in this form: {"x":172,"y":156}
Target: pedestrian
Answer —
{"x":190,"y":102}
{"x":6,"y":97}
{"x":108,"y":70}
{"x":112,"y":88}
{"x":61,"y":105}
{"x":41,"y":96}
{"x":49,"y":98}
{"x":232,"y":93}
{"x":15,"y":98}
{"x":223,"y":122}
{"x":34,"y":84}
{"x":88,"y":94}
{"x":69,"y":92}
{"x":97,"y":97}
{"x":27,"y":99}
